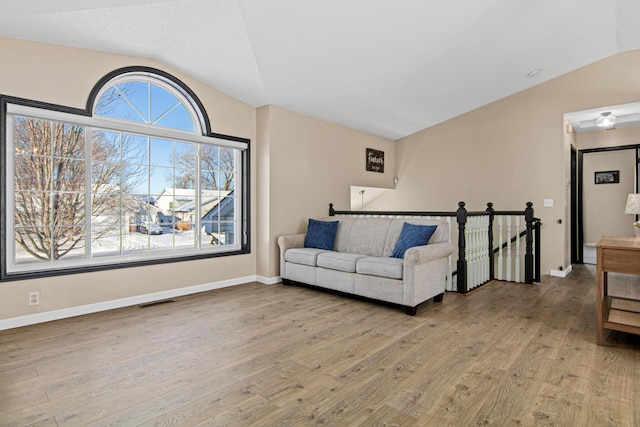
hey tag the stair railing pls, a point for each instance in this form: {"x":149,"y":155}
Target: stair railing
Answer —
{"x":478,"y":261}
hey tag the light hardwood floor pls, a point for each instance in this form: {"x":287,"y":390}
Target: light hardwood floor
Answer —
{"x":507,"y":354}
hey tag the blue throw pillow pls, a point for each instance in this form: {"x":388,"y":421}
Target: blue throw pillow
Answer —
{"x":412,"y":235}
{"x":321,"y":234}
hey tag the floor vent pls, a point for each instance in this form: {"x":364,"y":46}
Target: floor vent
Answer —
{"x":152,"y":304}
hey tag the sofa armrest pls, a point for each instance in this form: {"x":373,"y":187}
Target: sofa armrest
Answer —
{"x":423,"y":254}
{"x":288,"y":242}
{"x":425,"y":271}
{"x":291,"y":241}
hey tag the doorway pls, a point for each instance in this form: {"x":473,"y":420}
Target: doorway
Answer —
{"x":605,"y":176}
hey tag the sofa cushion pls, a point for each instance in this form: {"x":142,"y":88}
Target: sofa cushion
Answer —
{"x":410,"y":236}
{"x":340,"y":261}
{"x":321,"y":234}
{"x":304,"y":256}
{"x":380,"y":266}
{"x":367,"y":236}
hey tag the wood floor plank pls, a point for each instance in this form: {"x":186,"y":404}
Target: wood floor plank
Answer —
{"x":135,"y":408}
{"x":608,"y":397}
{"x":461,"y":400}
{"x":251,"y":410}
{"x":424,"y":397}
{"x":507,"y":354}
{"x":554,"y":406}
{"x":571,"y":368}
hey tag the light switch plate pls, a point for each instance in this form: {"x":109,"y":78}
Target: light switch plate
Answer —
{"x":548,"y":203}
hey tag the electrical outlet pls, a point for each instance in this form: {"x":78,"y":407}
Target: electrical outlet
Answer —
{"x":34,"y":298}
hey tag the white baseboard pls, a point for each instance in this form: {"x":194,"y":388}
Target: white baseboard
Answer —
{"x":561,"y":273}
{"x":268,"y":280}
{"x":64,"y":313}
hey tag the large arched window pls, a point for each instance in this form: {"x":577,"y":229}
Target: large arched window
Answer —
{"x":135,"y":179}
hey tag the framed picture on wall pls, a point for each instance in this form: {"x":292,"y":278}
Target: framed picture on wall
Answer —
{"x":607,"y":177}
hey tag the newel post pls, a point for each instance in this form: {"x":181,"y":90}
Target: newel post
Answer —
{"x":491,"y":211}
{"x":528,"y":256}
{"x":536,"y":277}
{"x":461,"y":217}
{"x":332,"y":211}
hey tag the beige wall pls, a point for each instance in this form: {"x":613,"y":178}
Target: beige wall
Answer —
{"x":608,"y":138}
{"x":65,"y":76}
{"x":263,"y":239}
{"x":311,"y":163}
{"x":511,"y":151}
{"x":603,"y":204}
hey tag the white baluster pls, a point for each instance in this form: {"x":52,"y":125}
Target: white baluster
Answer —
{"x":468,"y":251}
{"x":478,"y":253}
{"x":486,"y":259}
{"x":475,"y":252}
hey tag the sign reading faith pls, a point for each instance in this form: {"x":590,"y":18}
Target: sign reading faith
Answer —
{"x":375,"y":160}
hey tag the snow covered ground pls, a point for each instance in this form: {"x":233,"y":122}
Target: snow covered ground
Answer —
{"x":131,"y":242}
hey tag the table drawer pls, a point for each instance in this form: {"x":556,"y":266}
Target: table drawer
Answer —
{"x":620,"y":260}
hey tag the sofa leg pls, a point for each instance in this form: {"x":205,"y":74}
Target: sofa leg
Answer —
{"x":438,"y":298}
{"x":286,"y":282}
{"x":411,"y":311}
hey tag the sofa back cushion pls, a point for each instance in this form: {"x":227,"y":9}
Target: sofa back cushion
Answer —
{"x":367,"y":236}
{"x":378,"y":236}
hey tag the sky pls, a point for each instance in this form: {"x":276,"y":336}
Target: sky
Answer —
{"x":147,"y":103}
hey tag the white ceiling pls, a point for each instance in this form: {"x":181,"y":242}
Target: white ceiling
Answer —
{"x":390,"y":68}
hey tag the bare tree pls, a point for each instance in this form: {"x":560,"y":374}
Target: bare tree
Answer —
{"x":217,"y":164}
{"x":49,"y":176}
{"x":49,"y":181}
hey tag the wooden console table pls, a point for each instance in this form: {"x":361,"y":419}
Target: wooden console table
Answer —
{"x":619,"y":255}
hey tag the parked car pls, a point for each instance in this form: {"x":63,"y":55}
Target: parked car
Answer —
{"x":149,"y":228}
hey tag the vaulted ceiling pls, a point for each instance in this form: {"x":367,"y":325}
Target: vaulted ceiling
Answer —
{"x":390,"y":68}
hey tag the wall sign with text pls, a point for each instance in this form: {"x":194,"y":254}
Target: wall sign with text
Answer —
{"x":375,"y":160}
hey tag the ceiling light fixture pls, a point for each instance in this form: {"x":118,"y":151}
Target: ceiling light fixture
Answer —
{"x":606,"y":120}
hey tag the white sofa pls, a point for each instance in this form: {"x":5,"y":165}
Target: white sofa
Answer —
{"x":361,"y":263}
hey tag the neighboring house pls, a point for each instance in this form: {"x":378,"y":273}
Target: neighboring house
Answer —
{"x":209,"y":200}
{"x":131,"y":210}
{"x":140,"y":210}
{"x":218,"y":221}
{"x":167,"y":219}
{"x":181,"y":200}
{"x":170,"y":198}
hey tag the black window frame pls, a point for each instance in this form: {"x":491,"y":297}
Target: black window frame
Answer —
{"x":243,"y":216}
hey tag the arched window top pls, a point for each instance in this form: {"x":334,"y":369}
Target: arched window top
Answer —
{"x":148,"y":99}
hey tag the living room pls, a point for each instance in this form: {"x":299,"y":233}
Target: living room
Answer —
{"x":510,"y":151}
